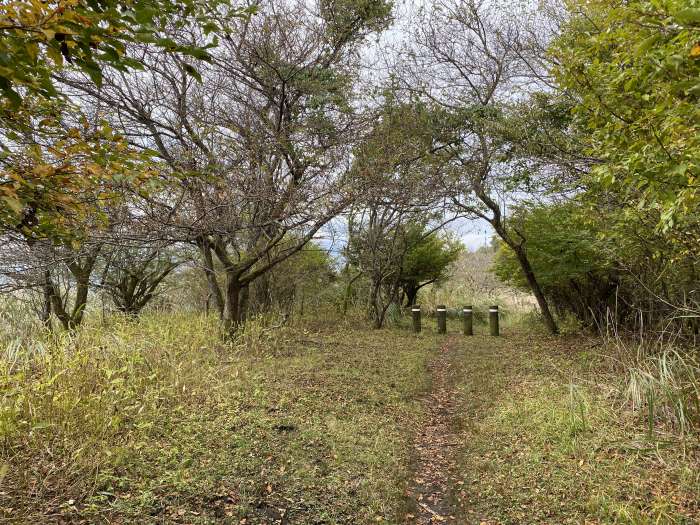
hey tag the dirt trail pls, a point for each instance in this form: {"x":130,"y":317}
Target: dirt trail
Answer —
{"x":433,"y":479}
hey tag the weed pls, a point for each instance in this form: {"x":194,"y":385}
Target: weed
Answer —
{"x":547,"y":440}
{"x":165,"y":420}
{"x":667,"y":387}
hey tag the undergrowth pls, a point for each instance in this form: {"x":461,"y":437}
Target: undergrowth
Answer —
{"x":662,"y":383}
{"x":165,"y":420}
{"x":549,"y":435}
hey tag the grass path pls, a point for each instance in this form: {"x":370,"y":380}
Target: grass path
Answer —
{"x":434,"y":442}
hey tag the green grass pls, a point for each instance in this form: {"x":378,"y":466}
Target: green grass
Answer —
{"x":162,"y":421}
{"x":546,"y":438}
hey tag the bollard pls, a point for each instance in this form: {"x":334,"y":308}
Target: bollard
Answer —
{"x":493,"y":320}
{"x":442,"y":319}
{"x":468,"y":320}
{"x":415,"y":311}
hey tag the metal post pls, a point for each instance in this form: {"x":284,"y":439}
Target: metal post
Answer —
{"x":468,"y":320}
{"x":415,"y":311}
{"x":442,"y":319}
{"x":493,"y":320}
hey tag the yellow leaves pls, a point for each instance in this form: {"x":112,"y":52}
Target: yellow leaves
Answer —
{"x":695,"y":51}
{"x":70,"y":179}
{"x":13,"y":202}
{"x":55,"y":56}
{"x":93,"y":169}
{"x":50,"y":34}
{"x":84,"y":20}
{"x":43,"y":170}
{"x":33,"y":50}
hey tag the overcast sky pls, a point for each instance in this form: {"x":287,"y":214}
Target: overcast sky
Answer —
{"x":474,"y":233}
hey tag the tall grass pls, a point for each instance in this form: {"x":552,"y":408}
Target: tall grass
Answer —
{"x":146,"y":418}
{"x":666,"y":387}
{"x":662,"y":380}
{"x":89,"y":397}
{"x":18,"y":320}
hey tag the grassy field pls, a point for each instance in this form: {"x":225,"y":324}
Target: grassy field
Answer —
{"x":548,"y":437}
{"x":163,"y":421}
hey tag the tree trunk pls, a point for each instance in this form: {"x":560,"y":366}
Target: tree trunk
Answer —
{"x":379,"y":307}
{"x":57,"y":305}
{"x":536,"y":288}
{"x":244,"y":303}
{"x":377,"y":312}
{"x":411,"y":295}
{"x":498,"y":224}
{"x":233,"y":312}
{"x":81,"y":297}
{"x":210,"y":273}
{"x":45,"y":315}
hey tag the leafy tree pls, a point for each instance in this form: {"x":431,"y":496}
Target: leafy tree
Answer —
{"x":55,"y":179}
{"x":298,"y":281}
{"x":263,"y":139}
{"x":53,"y":153}
{"x":395,"y":165}
{"x":376,"y":247}
{"x":467,"y":58}
{"x":426,"y":261}
{"x":633,"y":69}
{"x":600,"y":260}
{"x":574,"y":270}
{"x":38,"y":38}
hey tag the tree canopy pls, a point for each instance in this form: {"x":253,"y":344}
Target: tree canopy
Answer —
{"x":38,"y":38}
{"x":633,"y":69}
{"x":427,"y":260}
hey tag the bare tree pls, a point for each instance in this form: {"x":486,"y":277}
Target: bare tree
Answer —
{"x":60,"y":274}
{"x":256,"y":154}
{"x":468,"y":59}
{"x":376,"y":248}
{"x":131,"y":275}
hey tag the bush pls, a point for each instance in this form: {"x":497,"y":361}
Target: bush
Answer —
{"x":607,"y":266}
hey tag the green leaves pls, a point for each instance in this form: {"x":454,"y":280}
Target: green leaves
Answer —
{"x":633,"y":70}
{"x":688,"y":16}
{"x":355,"y":18}
{"x":93,"y":70}
{"x":427,"y":257}
{"x":145,"y":13}
{"x":193,"y":72}
{"x":39,"y":37}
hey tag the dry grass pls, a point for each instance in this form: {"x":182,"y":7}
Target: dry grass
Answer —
{"x":164,"y":421}
{"x":548,"y":437}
